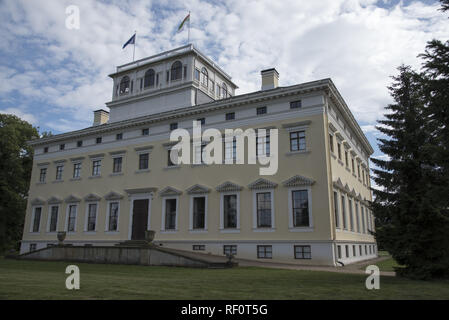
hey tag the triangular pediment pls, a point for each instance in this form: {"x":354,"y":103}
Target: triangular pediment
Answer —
{"x":347,"y":189}
{"x":262,"y":184}
{"x":338,"y":184}
{"x":54,"y":200}
{"x":38,"y":201}
{"x":169,"y":191}
{"x":92,"y":197}
{"x":113,"y":196}
{"x":72,"y":198}
{"x":198,"y":189}
{"x":228,"y":186}
{"x":353,"y":193}
{"x":298,"y":180}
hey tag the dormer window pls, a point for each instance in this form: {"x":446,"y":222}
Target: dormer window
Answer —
{"x":176,"y":71}
{"x":124,"y":85}
{"x":149,"y":79}
{"x":205,"y":77}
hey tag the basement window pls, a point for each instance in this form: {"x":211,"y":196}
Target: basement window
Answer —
{"x":199,"y":247}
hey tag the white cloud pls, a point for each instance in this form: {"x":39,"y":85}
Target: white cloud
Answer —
{"x":22,"y":115}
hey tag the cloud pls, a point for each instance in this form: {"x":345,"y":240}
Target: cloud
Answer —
{"x":19,"y":113}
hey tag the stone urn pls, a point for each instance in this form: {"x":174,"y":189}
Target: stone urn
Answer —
{"x":149,"y":235}
{"x":61,"y":236}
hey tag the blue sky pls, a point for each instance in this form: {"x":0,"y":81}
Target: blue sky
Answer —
{"x":54,"y":77}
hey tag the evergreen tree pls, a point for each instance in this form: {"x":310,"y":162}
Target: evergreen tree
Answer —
{"x":408,"y":222}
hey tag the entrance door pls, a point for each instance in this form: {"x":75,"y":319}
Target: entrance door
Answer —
{"x":140,"y":219}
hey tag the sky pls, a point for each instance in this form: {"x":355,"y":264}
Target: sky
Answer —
{"x":54,"y":77}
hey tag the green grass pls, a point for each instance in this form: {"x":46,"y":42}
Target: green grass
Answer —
{"x":46,"y":280}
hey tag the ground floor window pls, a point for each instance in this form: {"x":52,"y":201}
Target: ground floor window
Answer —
{"x":199,"y":212}
{"x":303,"y":252}
{"x":33,"y":247}
{"x":264,"y":252}
{"x":53,"y":218}
{"x":229,"y":249}
{"x":339,"y":252}
{"x":92,"y":217}
{"x":300,"y":206}
{"x":263,"y":204}
{"x":230,"y":211}
{"x":347,"y":251}
{"x":199,"y":247}
{"x":113,"y":216}
{"x":170,"y":214}
{"x":72,"y":218}
{"x":354,"y":253}
{"x":360,"y":250}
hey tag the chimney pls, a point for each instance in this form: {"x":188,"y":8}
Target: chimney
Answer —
{"x":100,"y":117}
{"x":270,"y":79}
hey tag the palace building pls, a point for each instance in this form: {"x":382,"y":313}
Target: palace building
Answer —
{"x":111,"y":182}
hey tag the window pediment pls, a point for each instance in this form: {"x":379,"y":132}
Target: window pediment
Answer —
{"x":228,"y":186}
{"x":113,"y":196}
{"x":198,"y":189}
{"x":298,"y":180}
{"x":338,"y":184}
{"x":92,"y":197}
{"x":262,"y":184}
{"x":169,"y":191}
{"x":38,"y":201}
{"x":54,"y":200}
{"x":72,"y":198}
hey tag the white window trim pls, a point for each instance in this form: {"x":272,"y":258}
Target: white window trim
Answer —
{"x":108,"y":209}
{"x":163,"y":230}
{"x":32,"y":218}
{"x":66,"y":226}
{"x":86,"y":220}
{"x":120,"y":155}
{"x":73,"y":169}
{"x":101,"y":165}
{"x":255,"y":227}
{"x":192,"y":197}
{"x":49,"y":218}
{"x":62,"y":172}
{"x":139,"y":196}
{"x":290,"y":210}
{"x":222,"y":228}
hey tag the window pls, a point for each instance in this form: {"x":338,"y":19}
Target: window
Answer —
{"x":185,"y":72}
{"x":357,"y":216}
{"x":346,"y":159}
{"x":263,"y":145}
{"x":230,"y":116}
{"x":76,"y":170}
{"x":53,"y":218}
{"x":343,"y":212}
{"x":264,"y":252}
{"x":347,"y":251}
{"x":173,"y":126}
{"x":366,"y":250}
{"x":229,"y":249}
{"x":59,"y":170}
{"x":71,"y":222}
{"x":339,"y":150}
{"x":360,"y":250}
{"x":96,"y":168}
{"x":199,"y":247}
{"x":200,"y":154}
{"x":145,"y":132}
{"x":261,"y":110}
{"x":149,"y":79}
{"x":358,"y":171}
{"x":33,"y":247}
{"x":205,"y":77}
{"x":170,"y":214}
{"x":339,"y":252}
{"x":295,"y":104}
{"x":79,"y":143}
{"x":176,"y":71}
{"x":225,"y":90}
{"x":119,"y":136}
{"x":170,"y":163}
{"x":230,"y":211}
{"x":45,"y":149}
{"x":351,"y":218}
{"x":124,"y":85}
{"x":98,"y":140}
{"x":117,"y":165}
{"x":143,"y":161}
{"x":354,"y":252}
{"x":231,"y":149}
{"x":331,"y":142}
{"x":297,"y":141}
{"x":363,"y":219}
{"x":202,"y":121}
{"x":168,"y":76}
{"x":263,"y":207}
{"x":197,"y":74}
{"x":62,"y":146}
{"x":337,"y":220}
{"x":218,"y":90}
{"x":91,"y":217}
{"x":43,"y":175}
{"x":300,"y":208}
{"x":212,"y":86}
{"x":113,"y":216}
{"x":363,"y":176}
{"x":37,"y":219}
{"x":157,"y":79}
{"x":353,"y":166}
{"x":199,"y":212}
{"x":303,"y":252}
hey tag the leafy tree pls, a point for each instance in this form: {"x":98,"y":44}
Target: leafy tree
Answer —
{"x":410,"y":224}
{"x":16,"y":160}
{"x":444,"y":5}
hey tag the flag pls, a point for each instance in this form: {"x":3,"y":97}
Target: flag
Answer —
{"x":187,"y":18}
{"x":132,"y":40}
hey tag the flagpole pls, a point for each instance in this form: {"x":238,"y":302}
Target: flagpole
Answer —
{"x":188,"y":37}
{"x":134,"y":51}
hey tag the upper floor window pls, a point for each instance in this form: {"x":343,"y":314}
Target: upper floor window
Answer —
{"x":117,"y":165}
{"x":98,"y":140}
{"x":297,"y":141}
{"x":295,"y":104}
{"x":59,"y":170}
{"x":149,"y":79}
{"x":230,"y":116}
{"x":263,"y":145}
{"x":96,"y":167}
{"x":202,"y":121}
{"x":124,"y":85}
{"x":62,"y":146}
{"x":145,"y":131}
{"x":143,"y":161}
{"x":218,"y":90}
{"x":197,"y":74}
{"x":205,"y":77}
{"x":225,"y":90}
{"x":231,"y":149}
{"x":43,"y":175}
{"x":176,"y":71}
{"x":119,"y":136}
{"x":79,"y":143}
{"x":261,"y":110}
{"x":331,"y":142}
{"x":76,"y":170}
{"x":45,"y":149}
{"x":173,"y":126}
{"x":339,"y":150}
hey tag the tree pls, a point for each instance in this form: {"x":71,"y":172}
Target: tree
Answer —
{"x":410,"y":224}
{"x":16,"y":160}
{"x":444,"y":5}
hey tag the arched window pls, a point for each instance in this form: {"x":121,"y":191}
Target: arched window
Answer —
{"x":205,"y":77}
{"x":149,"y":79}
{"x":225,"y":90}
{"x":124,"y":85}
{"x":176,"y":71}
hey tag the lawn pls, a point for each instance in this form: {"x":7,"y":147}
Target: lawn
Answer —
{"x":46,"y":280}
